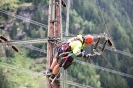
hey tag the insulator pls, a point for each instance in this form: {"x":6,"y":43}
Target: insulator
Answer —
{"x":109,"y":42}
{"x":63,"y":3}
{"x":96,"y":43}
{"x":15,"y":48}
{"x":3,"y":38}
{"x":104,"y":45}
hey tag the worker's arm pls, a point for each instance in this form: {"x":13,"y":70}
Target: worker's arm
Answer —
{"x":84,"y":54}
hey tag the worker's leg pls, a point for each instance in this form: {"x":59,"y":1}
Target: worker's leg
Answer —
{"x":56,"y":69}
{"x":54,"y":63}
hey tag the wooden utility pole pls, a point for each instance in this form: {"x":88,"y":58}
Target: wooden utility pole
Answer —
{"x":54,"y":30}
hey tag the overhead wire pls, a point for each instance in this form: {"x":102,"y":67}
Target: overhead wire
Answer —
{"x":8,"y":13}
{"x":109,"y":48}
{"x":102,"y":68}
{"x":20,"y":69}
{"x":109,"y":33}
{"x":118,"y":51}
{"x":76,"y":84}
{"x":105,"y":30}
{"x":33,"y":73}
{"x":34,"y":48}
{"x":107,"y":61}
{"x":99,"y":68}
{"x":28,"y":20}
{"x":41,"y":74}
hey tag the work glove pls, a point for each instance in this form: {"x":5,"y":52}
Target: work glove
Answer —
{"x":88,"y":56}
{"x":81,"y":54}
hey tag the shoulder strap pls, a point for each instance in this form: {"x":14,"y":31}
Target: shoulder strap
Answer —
{"x":80,"y":40}
{"x":77,"y":38}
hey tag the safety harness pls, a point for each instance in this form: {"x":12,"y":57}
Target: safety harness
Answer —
{"x":63,"y":49}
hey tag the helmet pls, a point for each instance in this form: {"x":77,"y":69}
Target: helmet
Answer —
{"x":89,"y":39}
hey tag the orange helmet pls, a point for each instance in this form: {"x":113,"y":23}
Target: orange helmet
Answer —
{"x":89,"y":39}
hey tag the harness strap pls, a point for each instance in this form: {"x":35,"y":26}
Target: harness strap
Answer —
{"x":76,"y":38}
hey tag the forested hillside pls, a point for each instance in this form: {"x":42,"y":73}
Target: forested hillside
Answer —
{"x":114,"y":17}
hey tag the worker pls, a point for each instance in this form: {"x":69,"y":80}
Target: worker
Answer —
{"x":61,"y":53}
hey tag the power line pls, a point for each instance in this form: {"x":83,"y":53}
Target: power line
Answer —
{"x":102,"y":68}
{"x":21,"y":69}
{"x":76,"y":84}
{"x":108,"y":31}
{"x":108,"y":48}
{"x":45,"y":41}
{"x":95,"y":66}
{"x":37,"y":23}
{"x":23,"y":18}
{"x":42,"y":25}
{"x":40,"y":74}
{"x":26,"y":41}
{"x":117,"y":51}
{"x":34,"y":48}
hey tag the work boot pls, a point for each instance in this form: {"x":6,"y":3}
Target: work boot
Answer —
{"x":52,"y":77}
{"x":48,"y":72}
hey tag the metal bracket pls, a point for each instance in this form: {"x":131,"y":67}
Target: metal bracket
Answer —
{"x":53,"y":38}
{"x":55,"y":20}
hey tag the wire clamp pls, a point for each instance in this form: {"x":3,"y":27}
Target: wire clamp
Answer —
{"x":53,"y":38}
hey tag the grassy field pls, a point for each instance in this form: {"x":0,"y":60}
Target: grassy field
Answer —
{"x":24,"y":71}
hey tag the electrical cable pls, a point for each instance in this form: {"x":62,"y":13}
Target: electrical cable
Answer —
{"x":23,"y":18}
{"x":102,"y":68}
{"x":21,"y":69}
{"x":32,"y":73}
{"x":76,"y":84}
{"x":109,"y":48}
{"x":108,"y":31}
{"x":118,"y":51}
{"x":33,"y":21}
{"x":34,"y":48}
